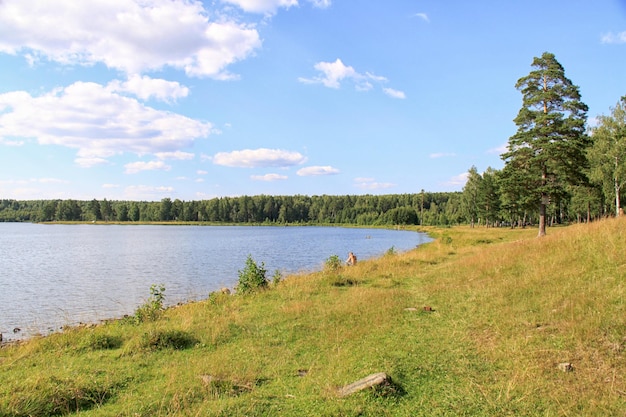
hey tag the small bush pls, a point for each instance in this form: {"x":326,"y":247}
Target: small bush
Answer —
{"x":169,"y":339}
{"x":332,"y":264}
{"x":252,"y":277}
{"x":101,"y":342}
{"x":152,"y":308}
{"x":391,"y":251}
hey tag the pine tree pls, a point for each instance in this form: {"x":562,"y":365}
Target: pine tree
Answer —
{"x":550,"y":144}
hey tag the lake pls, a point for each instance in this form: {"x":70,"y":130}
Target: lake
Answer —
{"x":57,"y":275}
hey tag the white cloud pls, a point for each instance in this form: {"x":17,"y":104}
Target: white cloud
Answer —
{"x":133,"y":36}
{"x":322,"y":4}
{"x":268,"y":177}
{"x":135,"y":167}
{"x":253,"y":158}
{"x":269,"y":7}
{"x":394,"y":93}
{"x":422,"y":16}
{"x":614,"y":37}
{"x":371,"y":184}
{"x":441,"y":155}
{"x":110,"y":186}
{"x":317,"y":170}
{"x":458,"y":180}
{"x":177,"y":155}
{"x":262,"y":6}
{"x":146,"y":88}
{"x":97,"y":122}
{"x":334,"y":73}
{"x":201,"y":172}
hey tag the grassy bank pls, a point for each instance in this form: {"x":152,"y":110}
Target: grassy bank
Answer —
{"x":506,"y":310}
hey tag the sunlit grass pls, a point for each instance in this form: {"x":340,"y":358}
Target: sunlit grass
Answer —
{"x":504,"y":309}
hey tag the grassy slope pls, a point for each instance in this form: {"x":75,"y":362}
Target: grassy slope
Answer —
{"x":508,"y":308}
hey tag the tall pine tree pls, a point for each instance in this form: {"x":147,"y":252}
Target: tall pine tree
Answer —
{"x":549,"y":148}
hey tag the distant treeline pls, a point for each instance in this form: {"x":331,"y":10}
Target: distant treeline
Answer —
{"x":398,"y":209}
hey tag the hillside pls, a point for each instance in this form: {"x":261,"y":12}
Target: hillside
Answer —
{"x":505,"y":312}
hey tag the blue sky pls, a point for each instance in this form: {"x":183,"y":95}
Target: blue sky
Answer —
{"x":146,"y":99}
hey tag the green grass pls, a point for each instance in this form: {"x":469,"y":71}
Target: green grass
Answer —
{"x":507,"y":308}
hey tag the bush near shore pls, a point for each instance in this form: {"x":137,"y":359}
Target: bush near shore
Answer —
{"x":480,"y":322}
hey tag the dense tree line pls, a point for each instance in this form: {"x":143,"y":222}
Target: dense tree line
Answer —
{"x":395,"y":209}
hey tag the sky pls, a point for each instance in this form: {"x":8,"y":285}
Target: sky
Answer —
{"x":192,"y":100}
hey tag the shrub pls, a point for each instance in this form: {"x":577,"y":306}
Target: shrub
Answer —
{"x":169,"y":339}
{"x":252,"y":277}
{"x":101,"y":342}
{"x":152,"y":308}
{"x":332,"y":264}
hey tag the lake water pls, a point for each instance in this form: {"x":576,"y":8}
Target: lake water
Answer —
{"x":56,"y":275}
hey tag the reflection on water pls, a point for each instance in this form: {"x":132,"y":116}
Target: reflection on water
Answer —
{"x":55,"y":275}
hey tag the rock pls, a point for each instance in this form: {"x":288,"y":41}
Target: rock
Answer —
{"x":369,"y":381}
{"x":225,"y":290}
{"x":565,"y":367}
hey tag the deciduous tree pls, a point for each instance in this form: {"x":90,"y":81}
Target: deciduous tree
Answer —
{"x":608,"y":153}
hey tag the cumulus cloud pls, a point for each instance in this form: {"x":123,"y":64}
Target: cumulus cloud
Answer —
{"x":96,"y":121}
{"x":372,"y":184}
{"x":133,"y":36}
{"x":255,"y":158}
{"x":146,"y":88}
{"x":135,"y":167}
{"x":334,"y":73}
{"x":317,"y":171}
{"x":614,"y":37}
{"x":271,"y":6}
{"x":109,"y":186}
{"x":268,"y":177}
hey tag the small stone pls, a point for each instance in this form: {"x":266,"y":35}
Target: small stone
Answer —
{"x":410,"y":309}
{"x":565,"y":367}
{"x":367,"y":382}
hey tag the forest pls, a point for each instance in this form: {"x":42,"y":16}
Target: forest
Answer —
{"x":557,"y":170}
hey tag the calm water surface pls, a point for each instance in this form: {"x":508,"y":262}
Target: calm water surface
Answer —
{"x":56,"y":275}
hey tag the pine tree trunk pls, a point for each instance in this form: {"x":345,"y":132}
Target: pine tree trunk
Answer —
{"x":542,"y":219}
